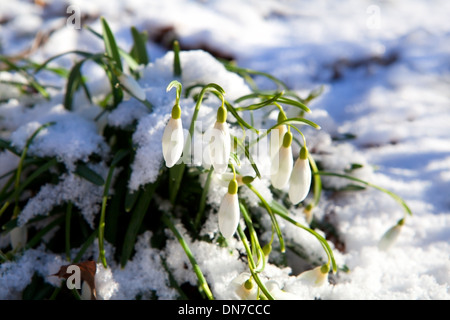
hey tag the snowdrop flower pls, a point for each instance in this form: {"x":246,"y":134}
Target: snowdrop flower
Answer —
{"x":243,"y":287}
{"x":173,"y":139}
{"x":390,"y":236}
{"x":300,"y":180}
{"x":277,"y":293}
{"x":220,"y":144}
{"x":132,"y":86}
{"x":315,"y":277}
{"x":229,"y":212}
{"x":18,"y":237}
{"x":282,"y":162}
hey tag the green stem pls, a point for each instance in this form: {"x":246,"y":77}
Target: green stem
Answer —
{"x":201,"y":209}
{"x":272,"y":216}
{"x":252,"y":264}
{"x":393,"y":195}
{"x":101,"y":229}
{"x":322,"y":240}
{"x":253,"y":236}
{"x":201,"y":278}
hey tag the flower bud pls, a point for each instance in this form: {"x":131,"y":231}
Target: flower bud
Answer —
{"x":229,"y":212}
{"x":220,"y":147}
{"x":390,"y":236}
{"x":173,"y":139}
{"x":282,"y":162}
{"x":315,"y":277}
{"x":300,"y":180}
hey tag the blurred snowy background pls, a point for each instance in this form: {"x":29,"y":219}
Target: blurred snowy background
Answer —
{"x":385,"y":68}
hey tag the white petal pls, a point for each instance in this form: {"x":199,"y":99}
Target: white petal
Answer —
{"x":277,"y":293}
{"x":229,"y":215}
{"x":220,"y":147}
{"x":281,"y":167}
{"x":237,"y":287}
{"x":300,"y":181}
{"x":18,"y":237}
{"x":173,"y":142}
{"x":314,"y":277}
{"x":132,"y":86}
{"x":276,"y":139}
{"x":389,"y":238}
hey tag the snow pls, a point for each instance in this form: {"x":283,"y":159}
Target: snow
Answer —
{"x":385,"y":72}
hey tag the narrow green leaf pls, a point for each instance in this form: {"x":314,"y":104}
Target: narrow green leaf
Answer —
{"x":75,"y":80}
{"x":42,"y":232}
{"x":390,"y":193}
{"x":176,"y":59}
{"x":261,"y":104}
{"x":131,"y":62}
{"x":248,"y":156}
{"x":110,"y":44}
{"x":294,"y":103}
{"x":90,"y":175}
{"x":202,"y":205}
{"x":283,"y":213}
{"x":139,"y":50}
{"x":203,"y":284}
{"x":130,"y":199}
{"x":136,"y":221}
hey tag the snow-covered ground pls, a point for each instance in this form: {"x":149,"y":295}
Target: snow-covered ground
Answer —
{"x":385,"y":68}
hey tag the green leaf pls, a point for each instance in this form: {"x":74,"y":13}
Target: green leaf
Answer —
{"x":136,"y":221}
{"x":90,"y":175}
{"x":390,"y":193}
{"x":176,"y":59}
{"x":131,"y":62}
{"x":30,"y":78}
{"x":110,"y":44}
{"x":75,"y":80}
{"x":130,"y":199}
{"x":139,"y":50}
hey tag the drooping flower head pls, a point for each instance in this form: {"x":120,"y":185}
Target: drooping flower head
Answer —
{"x":173,"y":137}
{"x":282,"y":162}
{"x":390,"y":236}
{"x":220,"y":143}
{"x":315,"y":277}
{"x":229,"y":212}
{"x":300,"y":180}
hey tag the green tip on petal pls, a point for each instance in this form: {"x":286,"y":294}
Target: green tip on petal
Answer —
{"x":247,"y":179}
{"x":287,"y":139}
{"x":267,"y":249}
{"x":221,"y":114}
{"x":248,"y":284}
{"x":325,"y":268}
{"x":303,"y":153}
{"x":176,"y":111}
{"x":281,"y":117}
{"x":233,"y":187}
